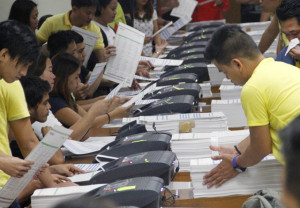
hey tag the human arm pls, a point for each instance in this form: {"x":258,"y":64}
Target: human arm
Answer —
{"x":159,"y":48}
{"x":65,"y":170}
{"x":269,"y":35}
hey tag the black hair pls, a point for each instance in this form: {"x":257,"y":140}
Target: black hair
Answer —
{"x":42,"y":20}
{"x":64,"y":65}
{"x":290,"y":137}
{"x":40,"y":66}
{"x":20,"y":41}
{"x":229,"y":42}
{"x":288,"y":9}
{"x":76,"y":37}
{"x":59,"y":42}
{"x":148,"y":8}
{"x":21,"y":10}
{"x":34,"y":89}
{"x":84,"y":3}
{"x":102,"y":4}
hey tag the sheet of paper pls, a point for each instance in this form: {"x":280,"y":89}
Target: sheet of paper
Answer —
{"x":129,"y":45}
{"x":140,"y":95}
{"x":91,"y":167}
{"x":40,"y":155}
{"x":90,"y":40}
{"x":162,"y":29}
{"x":186,"y":7}
{"x":293,"y":44}
{"x":162,"y":62}
{"x":79,"y":148}
{"x":115,"y":90}
{"x":96,"y":72}
{"x":144,"y":78}
{"x":83,"y":177}
{"x":177,"y":25}
{"x":145,"y":102}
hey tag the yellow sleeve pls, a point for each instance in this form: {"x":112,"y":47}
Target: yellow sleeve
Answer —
{"x":44,"y":31}
{"x":255,"y":106}
{"x":95,"y":29}
{"x":16,"y":102}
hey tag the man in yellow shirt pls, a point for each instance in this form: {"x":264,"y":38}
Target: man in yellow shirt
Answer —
{"x":270,"y":98}
{"x":81,"y":15}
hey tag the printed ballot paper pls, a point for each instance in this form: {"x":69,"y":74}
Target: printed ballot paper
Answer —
{"x":129,"y":42}
{"x":293,"y":44}
{"x":90,"y":40}
{"x":40,"y":155}
{"x":176,"y":26}
{"x":96,"y":72}
{"x":162,"y":29}
{"x":186,"y":7}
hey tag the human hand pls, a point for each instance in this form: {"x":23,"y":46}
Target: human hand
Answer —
{"x":120,"y":112}
{"x":224,"y":149}
{"x":145,"y":64}
{"x":14,"y":166}
{"x":82,"y":91}
{"x":65,"y":170}
{"x":57,"y":178}
{"x":110,"y":51}
{"x":135,"y":85}
{"x":159,"y":48}
{"x":295,"y":53}
{"x":148,"y":39}
{"x":45,"y":130}
{"x":142,"y":73}
{"x":40,"y":171}
{"x":102,"y":106}
{"x":222,"y":173}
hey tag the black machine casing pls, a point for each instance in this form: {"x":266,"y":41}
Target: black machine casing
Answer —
{"x":140,"y":192}
{"x":130,"y":129}
{"x":148,"y":141}
{"x":191,"y":51}
{"x":177,"y":78}
{"x":154,"y":163}
{"x":195,"y":68}
{"x":175,"y":104}
{"x":180,"y":89}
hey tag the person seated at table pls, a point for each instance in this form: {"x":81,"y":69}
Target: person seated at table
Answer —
{"x":66,"y":68}
{"x":270,"y":99}
{"x":290,"y":136}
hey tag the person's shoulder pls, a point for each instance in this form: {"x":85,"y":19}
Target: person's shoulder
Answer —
{"x":92,"y":27}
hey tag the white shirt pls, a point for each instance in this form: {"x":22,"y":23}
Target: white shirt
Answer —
{"x":109,"y":32}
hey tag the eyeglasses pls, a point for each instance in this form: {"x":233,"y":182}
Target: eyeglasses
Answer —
{"x":293,"y":33}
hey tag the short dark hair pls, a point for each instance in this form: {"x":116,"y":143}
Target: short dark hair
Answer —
{"x":38,"y":68}
{"x":58,"y":42}
{"x":288,"y":9}
{"x":34,"y":89}
{"x":21,"y":10}
{"x":76,"y":37}
{"x":290,"y":137}
{"x":228,"y":42}
{"x":84,"y":3}
{"x":20,"y":41}
{"x":102,"y":4}
{"x":63,"y":66}
{"x":43,"y":19}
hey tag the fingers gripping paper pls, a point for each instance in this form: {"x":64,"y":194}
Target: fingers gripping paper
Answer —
{"x":129,"y":45}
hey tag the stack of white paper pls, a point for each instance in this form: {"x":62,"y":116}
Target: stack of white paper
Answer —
{"x":265,"y":175}
{"x":206,"y":90}
{"x":191,"y":146}
{"x":230,"y":92}
{"x":233,"y":111}
{"x":49,"y":197}
{"x":204,"y":122}
{"x":256,"y":35}
{"x":226,"y":81}
{"x":215,"y":75}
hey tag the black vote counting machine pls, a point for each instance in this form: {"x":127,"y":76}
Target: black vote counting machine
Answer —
{"x":130,"y":129}
{"x":153,"y":163}
{"x":180,"y":89}
{"x":137,"y":143}
{"x":177,"y":78}
{"x":143,"y":192}
{"x":175,"y":104}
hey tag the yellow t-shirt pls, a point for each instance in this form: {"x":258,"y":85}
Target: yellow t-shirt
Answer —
{"x":62,"y":22}
{"x":13,"y":107}
{"x":120,"y":17}
{"x":272,"y":96}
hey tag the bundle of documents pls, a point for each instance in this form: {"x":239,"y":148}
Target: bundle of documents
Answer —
{"x":226,"y":81}
{"x":49,"y":197}
{"x":230,"y":92}
{"x":264,"y":175}
{"x":206,"y":90}
{"x":199,"y":122}
{"x":233,"y":111}
{"x":191,"y":146}
{"x":216,"y":77}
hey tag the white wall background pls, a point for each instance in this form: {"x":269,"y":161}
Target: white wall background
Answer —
{"x":44,"y":7}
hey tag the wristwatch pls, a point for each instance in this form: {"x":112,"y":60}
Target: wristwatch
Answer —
{"x":236,"y":166}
